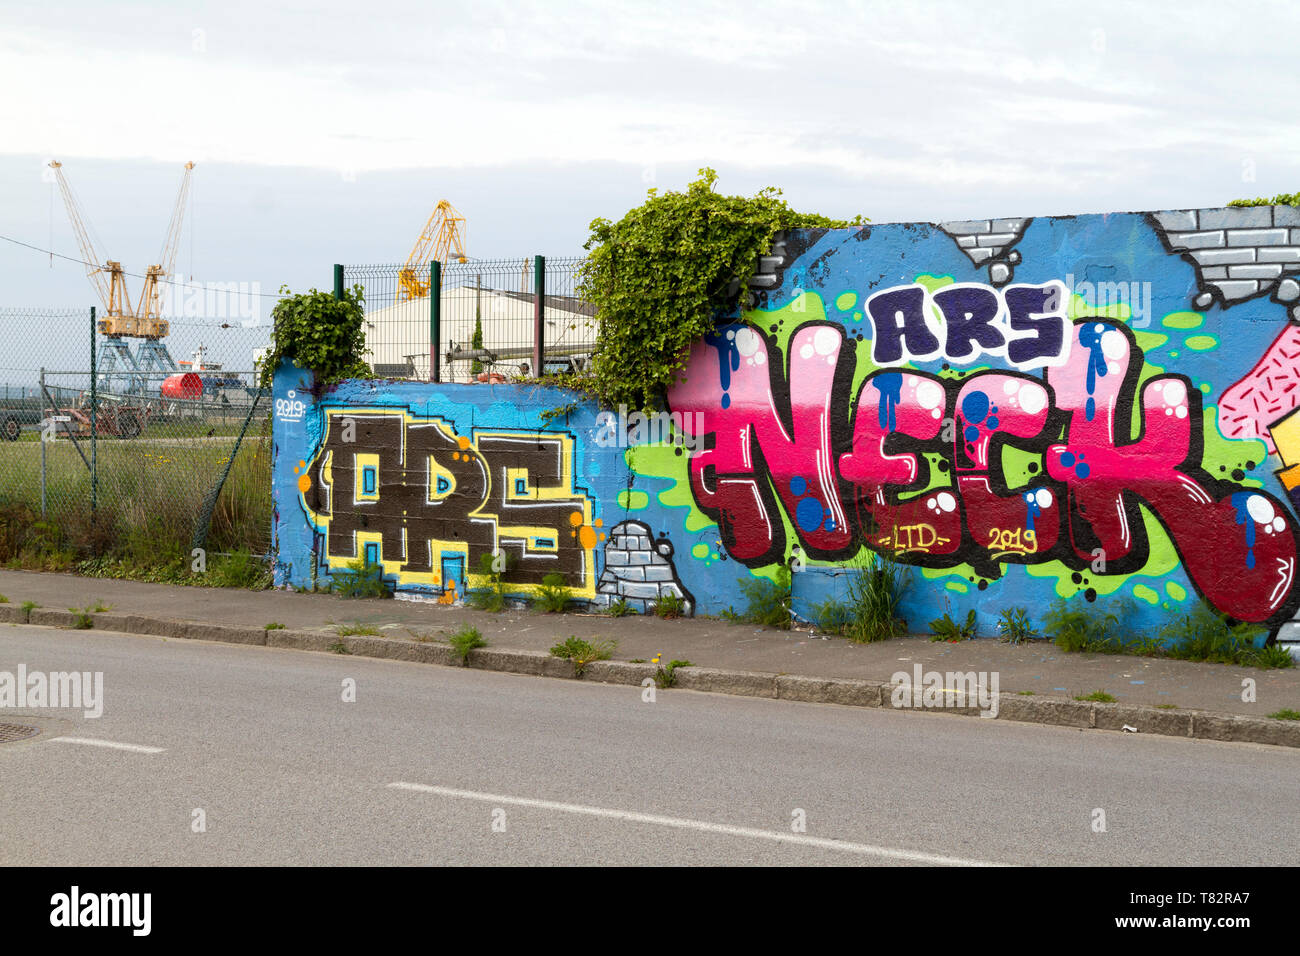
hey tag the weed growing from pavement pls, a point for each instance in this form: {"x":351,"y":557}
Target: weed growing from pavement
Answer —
{"x":619,"y":608}
{"x":553,"y":594}
{"x":667,"y":676}
{"x":1013,"y":625}
{"x":669,"y":606}
{"x":83,"y":620}
{"x":582,"y":652}
{"x":275,"y":626}
{"x":493,"y":597}
{"x":29,"y":606}
{"x":1098,"y":696}
{"x":874,"y":592}
{"x":946,"y":629}
{"x":1285,"y":714}
{"x":357,"y":629}
{"x":769,"y":600}
{"x":338,"y":647}
{"x":464,"y":641}
{"x":362,"y":579}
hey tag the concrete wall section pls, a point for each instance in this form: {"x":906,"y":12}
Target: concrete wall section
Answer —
{"x":1092,"y":408}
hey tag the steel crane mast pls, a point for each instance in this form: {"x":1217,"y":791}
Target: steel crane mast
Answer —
{"x":443,"y":235}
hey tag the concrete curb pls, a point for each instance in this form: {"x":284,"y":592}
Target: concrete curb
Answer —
{"x":1192,"y":724}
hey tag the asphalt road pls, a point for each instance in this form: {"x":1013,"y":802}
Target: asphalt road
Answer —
{"x":419,"y":767}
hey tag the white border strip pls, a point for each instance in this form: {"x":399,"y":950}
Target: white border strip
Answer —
{"x":680,"y":823}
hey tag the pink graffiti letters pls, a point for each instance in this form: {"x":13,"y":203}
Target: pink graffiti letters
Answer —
{"x":842,"y":471}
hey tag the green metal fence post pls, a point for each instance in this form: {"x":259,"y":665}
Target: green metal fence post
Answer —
{"x":435,"y":319}
{"x":338,"y":281}
{"x":539,"y":314}
{"x":94,"y":422}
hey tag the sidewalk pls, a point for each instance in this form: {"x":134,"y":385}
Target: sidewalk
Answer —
{"x":1038,"y":667}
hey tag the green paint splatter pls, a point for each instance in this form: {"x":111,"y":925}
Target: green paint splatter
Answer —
{"x":1229,"y":452}
{"x":1015,"y":466}
{"x":1145,"y":593}
{"x":633,"y":500}
{"x":659,"y":461}
{"x":1182,"y":320}
{"x":1175,"y":590}
{"x":700,"y":551}
{"x":1202,"y":343}
{"x":933,"y":283}
{"x":958,"y":586}
{"x":846,"y":301}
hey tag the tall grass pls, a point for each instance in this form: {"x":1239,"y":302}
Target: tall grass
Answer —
{"x":149,"y":498}
{"x":874,"y":598}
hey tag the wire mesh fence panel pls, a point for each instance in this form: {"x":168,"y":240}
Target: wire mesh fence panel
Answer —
{"x":165,"y":445}
{"x":485,"y":319}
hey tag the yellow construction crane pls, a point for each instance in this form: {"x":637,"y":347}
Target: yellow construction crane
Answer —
{"x":443,"y":235}
{"x":121,"y":319}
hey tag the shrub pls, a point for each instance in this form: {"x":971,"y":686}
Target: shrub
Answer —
{"x":662,"y":274}
{"x":319,"y":332}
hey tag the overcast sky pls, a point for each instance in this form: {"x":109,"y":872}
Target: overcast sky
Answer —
{"x":325,"y":132}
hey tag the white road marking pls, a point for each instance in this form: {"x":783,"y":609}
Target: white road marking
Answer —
{"x":112,"y":744}
{"x":681,"y":823}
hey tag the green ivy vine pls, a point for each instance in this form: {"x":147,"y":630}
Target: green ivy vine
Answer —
{"x":319,"y":332}
{"x":661,"y":277}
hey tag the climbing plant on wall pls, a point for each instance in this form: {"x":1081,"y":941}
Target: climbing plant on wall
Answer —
{"x":319,"y":332}
{"x":661,"y":276}
{"x":1281,"y":199}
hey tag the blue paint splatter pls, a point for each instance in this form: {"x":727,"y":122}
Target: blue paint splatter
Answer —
{"x":890,"y":386}
{"x":808,"y":513}
{"x":1090,"y":338}
{"x":1031,"y":510}
{"x":974,"y":407}
{"x":728,"y":362}
{"x":1239,"y":501}
{"x":798,"y":486}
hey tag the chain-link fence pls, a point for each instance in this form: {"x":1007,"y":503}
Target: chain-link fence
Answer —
{"x":487,"y":323}
{"x":133,"y":447}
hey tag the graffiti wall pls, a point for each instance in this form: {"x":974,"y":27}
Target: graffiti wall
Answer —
{"x":1092,"y":408}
